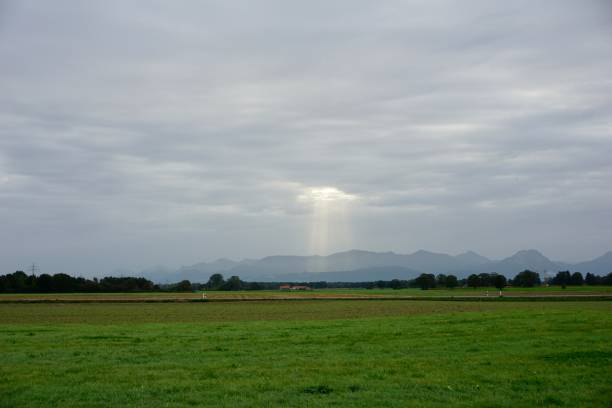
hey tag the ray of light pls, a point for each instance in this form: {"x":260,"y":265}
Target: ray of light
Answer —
{"x":330,"y":221}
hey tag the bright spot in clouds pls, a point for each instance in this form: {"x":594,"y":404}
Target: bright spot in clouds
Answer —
{"x":325,"y":194}
{"x":326,"y":229}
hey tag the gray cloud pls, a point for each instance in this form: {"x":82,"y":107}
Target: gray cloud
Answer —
{"x":135,"y":134}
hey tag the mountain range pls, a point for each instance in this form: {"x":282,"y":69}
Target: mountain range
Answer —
{"x":358,"y":265}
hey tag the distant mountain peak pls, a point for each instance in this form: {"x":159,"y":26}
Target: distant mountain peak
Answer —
{"x":472,"y":257}
{"x":528,"y":254}
{"x":424,"y":252}
{"x":529,"y":251}
{"x":532,"y":259}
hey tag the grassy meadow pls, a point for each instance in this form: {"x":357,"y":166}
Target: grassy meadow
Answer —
{"x":308,"y":353}
{"x":319,"y":293}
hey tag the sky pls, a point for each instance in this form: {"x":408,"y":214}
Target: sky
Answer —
{"x":149,"y":133}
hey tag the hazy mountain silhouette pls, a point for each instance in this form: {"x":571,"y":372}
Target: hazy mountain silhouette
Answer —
{"x":199,"y":272}
{"x":356,"y":275}
{"x":269,"y":268}
{"x":524,"y":259}
{"x":358,"y":265}
{"x":472,"y":258}
{"x":599,"y":266}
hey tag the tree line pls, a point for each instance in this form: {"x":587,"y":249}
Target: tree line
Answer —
{"x":20,"y":282}
{"x":524,"y":279}
{"x":565,"y":278}
{"x":424,"y":281}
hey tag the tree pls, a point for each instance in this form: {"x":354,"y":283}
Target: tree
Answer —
{"x":233,"y":283}
{"x":125,"y":284}
{"x":396,"y":284}
{"x":576,"y":279}
{"x":18,"y":281}
{"x":562,"y":278}
{"x":499,"y":281}
{"x":426,"y":281}
{"x":31,"y":283}
{"x":451,"y":281}
{"x":317,"y":285}
{"x":61,"y":282}
{"x":381,"y":284}
{"x":527,"y":279}
{"x":592,"y":279}
{"x":215,"y":282}
{"x":184,"y":286}
{"x":441,"y":280}
{"x":473,"y":281}
{"x":486,"y":279}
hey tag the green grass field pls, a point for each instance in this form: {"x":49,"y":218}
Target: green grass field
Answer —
{"x":307,"y":354}
{"x":321,"y":293}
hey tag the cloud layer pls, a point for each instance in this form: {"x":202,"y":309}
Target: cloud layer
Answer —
{"x":135,"y":134}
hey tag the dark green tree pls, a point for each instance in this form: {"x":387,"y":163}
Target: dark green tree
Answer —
{"x":396,"y":284}
{"x":381,"y":284}
{"x":562,"y":278}
{"x":527,"y":279}
{"x":451,"y":281}
{"x":233,"y":283}
{"x":215,"y":282}
{"x":61,"y":282}
{"x":184,"y":286}
{"x":426,"y":281}
{"x":486,"y":279}
{"x":18,"y":281}
{"x":591,"y":279}
{"x":576,"y":279}
{"x":473,"y":281}
{"x":499,"y":281}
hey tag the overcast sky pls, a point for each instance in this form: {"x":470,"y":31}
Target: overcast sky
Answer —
{"x":142,"y":133}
